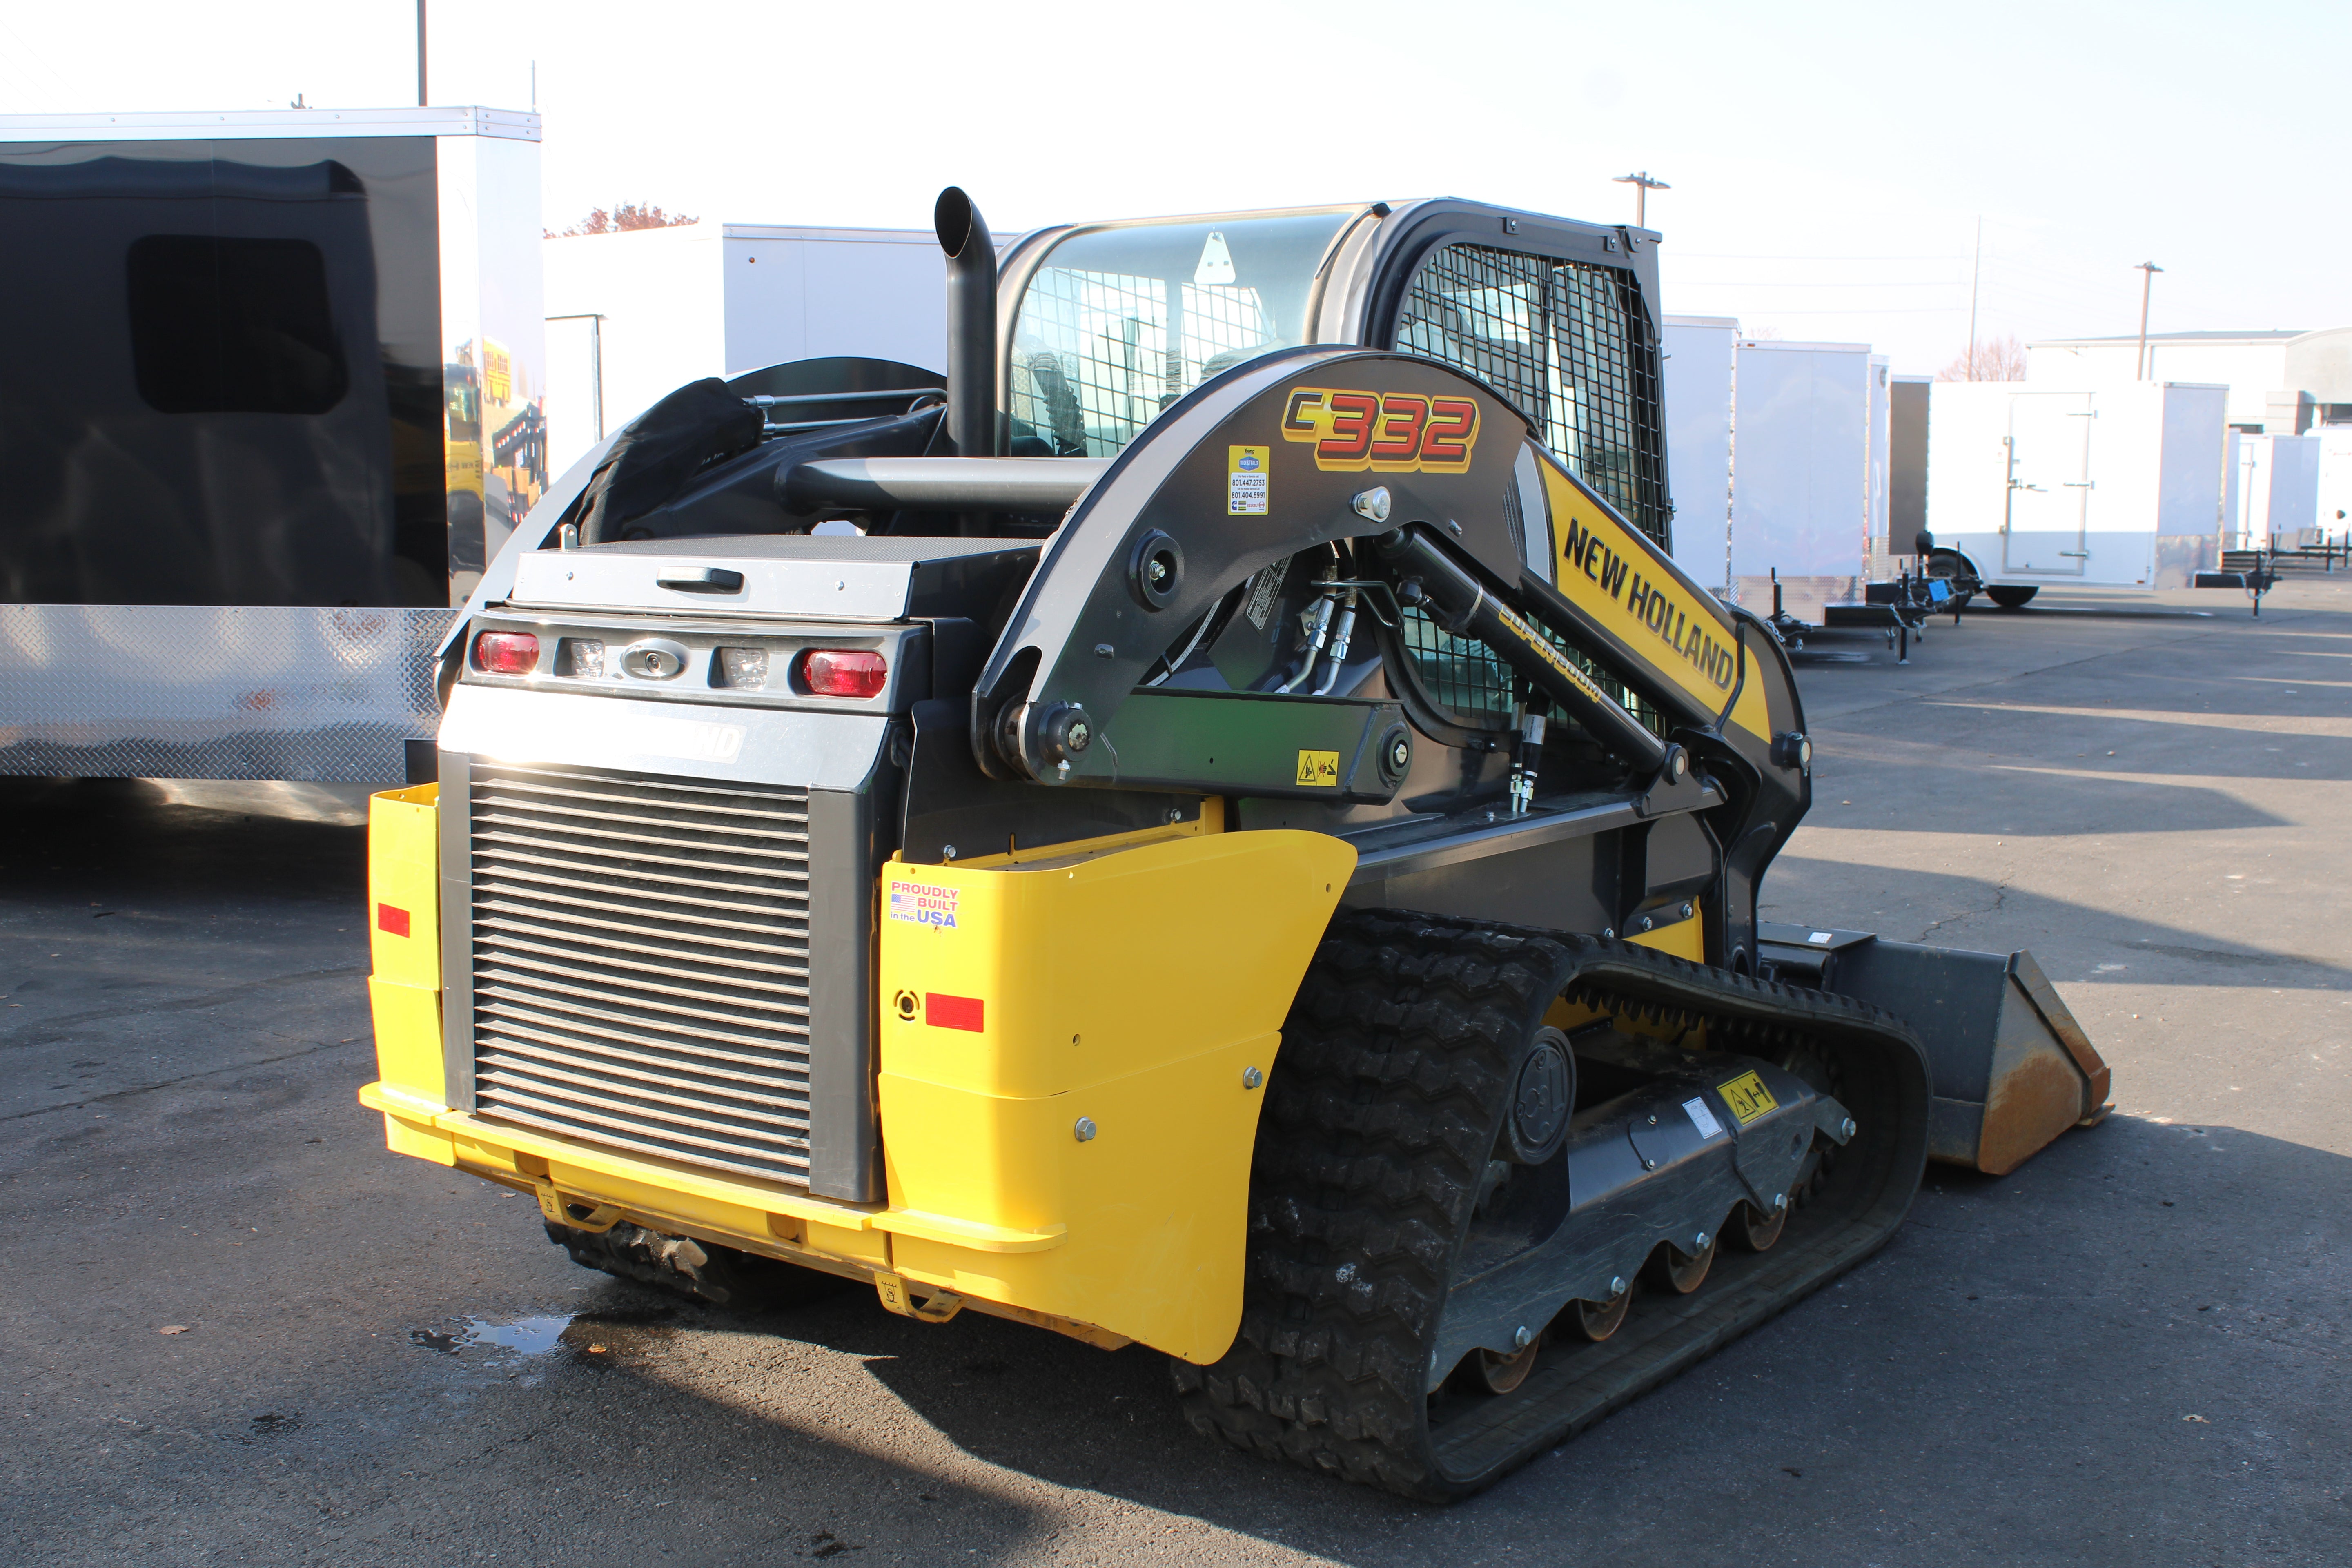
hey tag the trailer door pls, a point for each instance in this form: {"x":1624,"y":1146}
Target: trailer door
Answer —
{"x":2049,"y":440}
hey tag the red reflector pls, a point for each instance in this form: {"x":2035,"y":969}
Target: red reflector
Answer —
{"x":506,"y":653}
{"x":843,"y":672}
{"x":952,"y":1012}
{"x":391,"y":918}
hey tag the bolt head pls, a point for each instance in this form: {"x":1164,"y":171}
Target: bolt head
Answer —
{"x":1252,"y":1077}
{"x":1686,"y":911}
{"x":1521,"y":1337}
{"x":1780,"y":1201}
{"x":947,"y":851}
{"x":1085,"y":1131}
{"x":1617,"y":1285}
{"x":1848,"y":1128}
{"x":1372,"y":504}
{"x":1702,"y":1241}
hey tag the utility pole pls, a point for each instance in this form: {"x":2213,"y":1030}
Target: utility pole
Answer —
{"x":1642,"y":185}
{"x":421,"y":99}
{"x":1976,"y":272}
{"x":2148,"y":270}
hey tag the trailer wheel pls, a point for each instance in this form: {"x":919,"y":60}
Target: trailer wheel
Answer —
{"x":2010,"y":596}
{"x":1957,"y":572}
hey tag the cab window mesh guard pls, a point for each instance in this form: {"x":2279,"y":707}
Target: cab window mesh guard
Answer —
{"x":1101,"y":354}
{"x":1566,"y":342}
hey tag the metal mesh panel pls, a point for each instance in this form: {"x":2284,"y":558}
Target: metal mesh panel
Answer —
{"x":641,"y":955}
{"x":1566,"y":342}
{"x":1471,"y":680}
{"x":1103,"y":353}
{"x":1459,"y":674}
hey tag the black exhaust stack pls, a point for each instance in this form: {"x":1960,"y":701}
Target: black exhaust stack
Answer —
{"x":971,"y":324}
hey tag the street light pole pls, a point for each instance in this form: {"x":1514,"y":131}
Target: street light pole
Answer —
{"x":421,"y":99}
{"x":2148,"y":270}
{"x":1642,"y":185}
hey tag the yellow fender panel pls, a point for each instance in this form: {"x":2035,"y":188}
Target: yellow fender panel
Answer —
{"x":403,"y":916}
{"x":1076,"y":1049}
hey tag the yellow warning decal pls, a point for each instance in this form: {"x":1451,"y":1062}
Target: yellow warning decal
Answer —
{"x":1747,"y":1097}
{"x":1319,"y":768}
{"x":1246,"y":479}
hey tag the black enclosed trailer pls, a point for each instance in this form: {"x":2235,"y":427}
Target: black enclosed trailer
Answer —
{"x":271,"y":395}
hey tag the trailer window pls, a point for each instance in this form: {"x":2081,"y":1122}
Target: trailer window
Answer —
{"x":1569,"y":343}
{"x":233,"y":326}
{"x":1122,"y":321}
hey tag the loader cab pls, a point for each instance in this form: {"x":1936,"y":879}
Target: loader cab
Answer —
{"x":1105,"y":327}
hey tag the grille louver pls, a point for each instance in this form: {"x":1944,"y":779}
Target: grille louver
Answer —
{"x":640,"y":963}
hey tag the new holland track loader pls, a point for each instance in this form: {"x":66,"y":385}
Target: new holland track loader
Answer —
{"x":1220,"y":826}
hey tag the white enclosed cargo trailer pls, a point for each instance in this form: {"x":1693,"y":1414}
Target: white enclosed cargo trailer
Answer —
{"x":1781,"y":458}
{"x":276,"y":392}
{"x":1696,"y":376}
{"x":2269,"y":497}
{"x":2112,"y":486}
{"x":1808,"y":467}
{"x":634,"y":316}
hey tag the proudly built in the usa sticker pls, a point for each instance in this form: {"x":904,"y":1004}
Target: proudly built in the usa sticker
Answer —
{"x":922,"y":906}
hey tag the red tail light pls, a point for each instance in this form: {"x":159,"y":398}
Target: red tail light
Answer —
{"x":506,"y":653}
{"x":843,"y":672}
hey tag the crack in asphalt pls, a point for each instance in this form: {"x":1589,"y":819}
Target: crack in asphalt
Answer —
{"x":121,"y":1094}
{"x":1999,"y":897}
{"x":54,"y":1031}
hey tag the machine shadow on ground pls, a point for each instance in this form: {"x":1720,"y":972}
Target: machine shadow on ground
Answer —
{"x":2049,"y":1324}
{"x":125,"y":838}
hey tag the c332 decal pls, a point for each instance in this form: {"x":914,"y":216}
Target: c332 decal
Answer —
{"x":1387,"y":432}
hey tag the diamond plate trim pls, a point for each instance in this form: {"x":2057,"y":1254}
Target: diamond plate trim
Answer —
{"x":215,"y":691}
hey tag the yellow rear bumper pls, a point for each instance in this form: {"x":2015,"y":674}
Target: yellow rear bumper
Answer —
{"x":1069,"y":1091}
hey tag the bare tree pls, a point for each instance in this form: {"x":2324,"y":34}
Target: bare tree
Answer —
{"x":1994,"y":359}
{"x":622,"y":219}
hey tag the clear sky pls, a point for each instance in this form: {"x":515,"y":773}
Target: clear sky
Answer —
{"x":1830,"y":162}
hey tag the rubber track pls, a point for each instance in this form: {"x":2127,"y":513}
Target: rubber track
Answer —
{"x":1381,"y":1113}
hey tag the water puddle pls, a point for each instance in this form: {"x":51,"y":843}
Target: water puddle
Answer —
{"x":521,"y":1337}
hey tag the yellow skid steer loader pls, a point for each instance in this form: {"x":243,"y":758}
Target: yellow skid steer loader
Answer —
{"x":1218,"y":823}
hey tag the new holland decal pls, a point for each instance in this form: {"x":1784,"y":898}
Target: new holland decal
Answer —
{"x":1661,"y":607}
{"x":1389,"y":433}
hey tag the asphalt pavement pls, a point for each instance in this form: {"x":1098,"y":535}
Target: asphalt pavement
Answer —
{"x":234,"y":1328}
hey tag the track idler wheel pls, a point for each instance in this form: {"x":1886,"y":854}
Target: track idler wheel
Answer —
{"x":1599,"y":1319}
{"x":1502,"y":1373}
{"x":1683,"y":1272}
{"x":1755,"y":1230}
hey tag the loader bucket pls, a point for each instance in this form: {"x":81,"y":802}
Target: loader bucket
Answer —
{"x":2011,"y":1068}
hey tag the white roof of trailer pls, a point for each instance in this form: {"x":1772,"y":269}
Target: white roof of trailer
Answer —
{"x":197,"y":125}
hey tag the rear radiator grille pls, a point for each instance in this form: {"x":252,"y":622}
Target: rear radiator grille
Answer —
{"x":640,"y":953}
